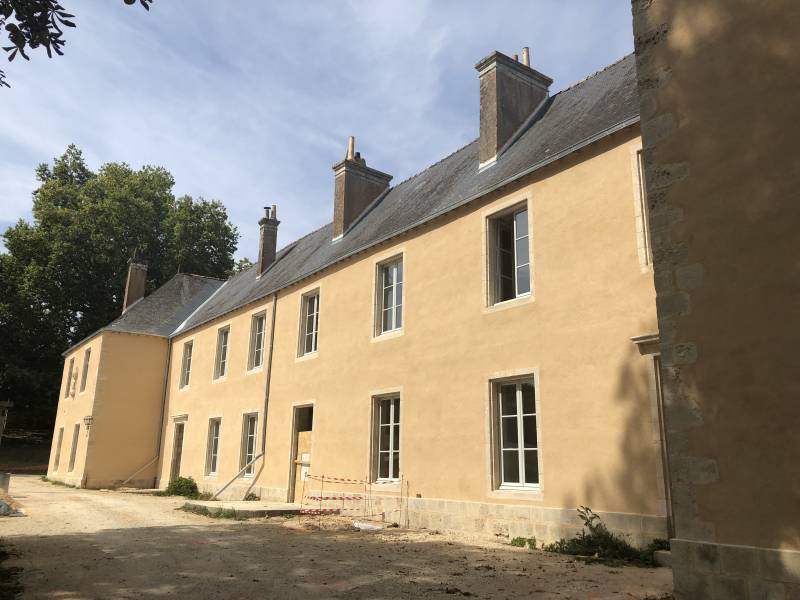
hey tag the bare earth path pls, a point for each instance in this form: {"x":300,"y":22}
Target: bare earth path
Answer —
{"x":107,"y":545}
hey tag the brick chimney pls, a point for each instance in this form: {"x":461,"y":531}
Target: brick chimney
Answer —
{"x":268,"y":239}
{"x":510,"y":93}
{"x":356,"y":186}
{"x":135,"y":284}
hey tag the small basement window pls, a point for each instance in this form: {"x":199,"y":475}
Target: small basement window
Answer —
{"x":509,"y":255}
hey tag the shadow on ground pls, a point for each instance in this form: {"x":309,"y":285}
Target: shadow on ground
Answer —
{"x":263,"y":560}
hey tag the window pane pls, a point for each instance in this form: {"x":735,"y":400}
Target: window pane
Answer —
{"x":384,"y":408}
{"x":523,"y":280}
{"x":395,"y":464}
{"x":508,"y":399}
{"x":531,"y":466}
{"x":383,"y":443}
{"x":396,"y":410}
{"x":510,"y":432}
{"x":522,"y":251}
{"x":528,"y":404}
{"x":510,"y":466}
{"x":505,"y":237}
{"x":529,"y":427}
{"x":521,"y":223}
{"x":383,"y":465}
{"x":388,"y":298}
{"x":398,"y":317}
{"x":396,"y":439}
{"x":506,"y":264}
{"x":387,"y":320}
{"x":399,"y":271}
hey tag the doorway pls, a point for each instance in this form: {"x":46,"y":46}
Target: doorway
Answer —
{"x":177,"y":452}
{"x":301,"y":454}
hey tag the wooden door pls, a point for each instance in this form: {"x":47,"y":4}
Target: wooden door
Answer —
{"x":302,"y":464}
{"x":177,"y":452}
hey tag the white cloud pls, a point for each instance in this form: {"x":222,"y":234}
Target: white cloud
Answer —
{"x":253,"y":104}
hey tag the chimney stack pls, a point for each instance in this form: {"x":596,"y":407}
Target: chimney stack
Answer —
{"x":135,"y":284}
{"x":510,"y":92}
{"x":356,"y":186}
{"x":268,"y":239}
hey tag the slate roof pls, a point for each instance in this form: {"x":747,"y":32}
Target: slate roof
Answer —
{"x":575,"y":117}
{"x":163,"y":311}
{"x":589,"y":110}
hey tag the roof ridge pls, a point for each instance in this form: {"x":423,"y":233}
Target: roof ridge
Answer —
{"x":199,"y":276}
{"x":595,"y":74}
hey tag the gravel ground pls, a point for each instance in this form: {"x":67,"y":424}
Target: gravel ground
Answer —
{"x":107,"y":545}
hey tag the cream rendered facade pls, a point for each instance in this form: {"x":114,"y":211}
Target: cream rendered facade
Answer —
{"x":600,"y":442}
{"x":572,"y":338}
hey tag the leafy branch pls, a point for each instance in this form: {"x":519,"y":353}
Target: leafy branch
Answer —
{"x":32,"y":24}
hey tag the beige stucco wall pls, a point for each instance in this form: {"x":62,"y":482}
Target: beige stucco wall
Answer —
{"x":590,"y":297}
{"x":123,"y":396}
{"x":719,"y":94}
{"x":72,"y":408}
{"x":240,"y":392}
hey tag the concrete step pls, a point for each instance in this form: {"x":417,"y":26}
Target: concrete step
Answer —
{"x":245,"y":509}
{"x":663,"y":558}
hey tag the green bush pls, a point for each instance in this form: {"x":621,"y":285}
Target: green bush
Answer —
{"x":596,"y":541}
{"x":182,"y":486}
{"x":521,"y":542}
{"x":251,"y":497}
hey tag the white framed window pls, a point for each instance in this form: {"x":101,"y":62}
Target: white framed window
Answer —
{"x":642,"y":213}
{"x":509,"y":255}
{"x":517,"y":434}
{"x":309,"y":323}
{"x":387,"y":447}
{"x":76,"y":431}
{"x":257,"y":327}
{"x":87,"y":354}
{"x":249,"y":430}
{"x":186,"y":363}
{"x":59,"y":440}
{"x":221,"y":362}
{"x":212,"y":448}
{"x":68,"y":386}
{"x":390,"y":296}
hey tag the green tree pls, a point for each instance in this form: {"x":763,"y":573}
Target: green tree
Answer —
{"x":32,"y":24}
{"x":63,"y":275}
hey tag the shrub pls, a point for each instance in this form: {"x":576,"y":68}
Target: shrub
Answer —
{"x":182,"y":486}
{"x":251,"y":497}
{"x":521,"y":542}
{"x":596,"y":541}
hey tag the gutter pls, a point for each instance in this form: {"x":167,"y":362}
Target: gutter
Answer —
{"x":266,"y":406}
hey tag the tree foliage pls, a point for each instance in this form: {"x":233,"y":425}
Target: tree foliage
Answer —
{"x":63,"y":275}
{"x":32,"y":24}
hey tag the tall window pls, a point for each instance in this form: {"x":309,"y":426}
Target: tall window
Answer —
{"x":390,"y":296}
{"x":68,"y":385}
{"x":75,"y":435}
{"x":249,"y":428}
{"x":518,"y":440}
{"x":309,"y":324}
{"x":257,"y":341}
{"x":186,"y":364}
{"x":212,"y":452}
{"x":84,"y":374}
{"x":388,"y":434}
{"x":59,"y":440}
{"x":221,"y":363}
{"x":642,"y":215}
{"x":510,"y":269}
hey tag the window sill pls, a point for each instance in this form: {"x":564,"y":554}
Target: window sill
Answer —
{"x":222,"y":379}
{"x":506,"y":304}
{"x":520,"y":493}
{"x":386,"y":485}
{"x":185,"y":388}
{"x":387,"y":335}
{"x":307,"y":356}
{"x":254,"y":370}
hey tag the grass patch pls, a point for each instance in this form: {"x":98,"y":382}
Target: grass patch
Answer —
{"x":596,"y":542}
{"x":203,"y":511}
{"x":10,"y":587}
{"x":56,"y":482}
{"x":521,"y":542}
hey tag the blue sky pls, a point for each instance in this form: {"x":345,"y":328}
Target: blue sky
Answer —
{"x":251,"y":102}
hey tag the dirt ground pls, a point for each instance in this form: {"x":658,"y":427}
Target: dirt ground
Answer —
{"x":108,"y":545}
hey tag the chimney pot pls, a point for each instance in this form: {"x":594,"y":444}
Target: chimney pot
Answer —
{"x":351,"y":147}
{"x":135,"y":284}
{"x":268,"y":239}
{"x":516,"y":57}
{"x":509,"y":93}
